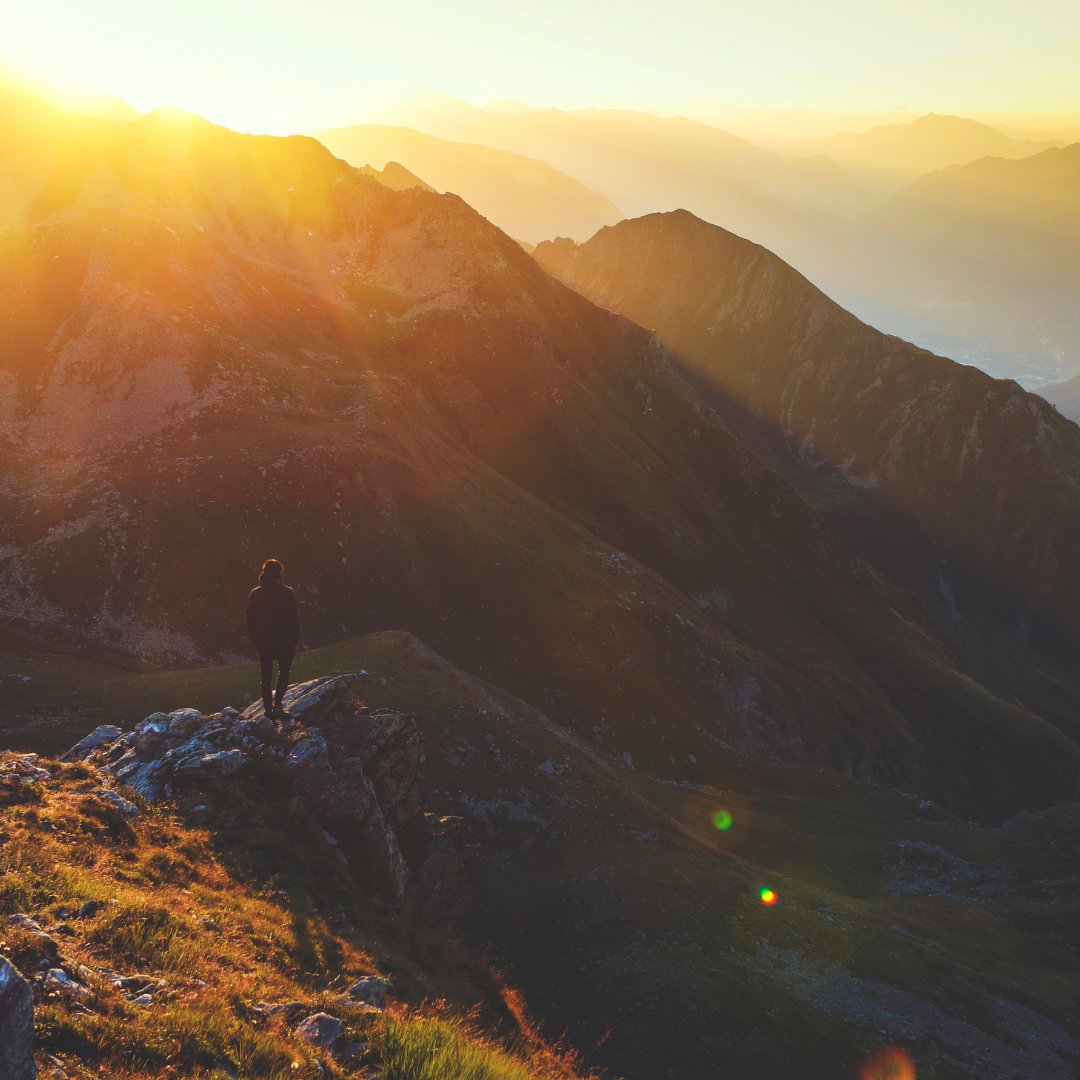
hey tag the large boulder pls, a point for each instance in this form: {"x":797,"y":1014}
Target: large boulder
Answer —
{"x":100,"y":736}
{"x":321,"y":1030}
{"x":16,"y":1025}
{"x":308,"y":702}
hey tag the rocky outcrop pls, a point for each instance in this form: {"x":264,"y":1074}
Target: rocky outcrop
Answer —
{"x":16,"y":1025}
{"x":358,"y":771}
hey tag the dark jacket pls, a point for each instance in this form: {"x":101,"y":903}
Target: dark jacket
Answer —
{"x":273,"y":620}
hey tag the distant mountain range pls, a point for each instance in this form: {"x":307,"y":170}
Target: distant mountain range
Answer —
{"x":981,"y":259}
{"x":523,"y":196}
{"x":899,"y":258}
{"x":646,"y":163}
{"x":891,"y":155}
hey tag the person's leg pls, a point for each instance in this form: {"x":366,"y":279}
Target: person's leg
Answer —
{"x":284,"y":663}
{"x":266,"y":666}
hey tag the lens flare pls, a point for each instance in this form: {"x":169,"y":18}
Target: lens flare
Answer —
{"x":722,"y":820}
{"x":767,"y":897}
{"x":892,"y":1063}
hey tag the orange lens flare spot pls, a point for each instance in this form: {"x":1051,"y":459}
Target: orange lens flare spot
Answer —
{"x":892,"y":1063}
{"x":722,"y":820}
{"x":767,"y":897}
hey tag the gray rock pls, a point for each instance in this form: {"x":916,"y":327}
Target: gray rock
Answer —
{"x":310,"y":752}
{"x":321,"y":1030}
{"x":24,"y":922}
{"x":287,"y":1010}
{"x":309,"y":702}
{"x":25,"y":767}
{"x":216,"y":764}
{"x":149,"y":735}
{"x":58,"y":981}
{"x":148,"y":778}
{"x":92,"y":907}
{"x":183,"y":722}
{"x":369,"y":990}
{"x":99,"y":737}
{"x":16,"y":1025}
{"x":126,"y":809}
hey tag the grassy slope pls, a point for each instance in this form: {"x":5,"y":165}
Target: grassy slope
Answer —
{"x":619,"y":908}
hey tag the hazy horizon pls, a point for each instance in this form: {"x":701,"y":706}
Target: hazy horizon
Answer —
{"x":774,"y":74}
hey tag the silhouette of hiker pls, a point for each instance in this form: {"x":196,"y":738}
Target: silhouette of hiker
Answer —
{"x":273,"y":624}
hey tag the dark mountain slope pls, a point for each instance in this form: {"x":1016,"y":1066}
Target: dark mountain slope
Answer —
{"x":963,"y":487}
{"x":218,"y":346}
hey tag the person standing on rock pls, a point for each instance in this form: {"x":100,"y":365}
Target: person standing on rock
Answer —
{"x":273,"y":623}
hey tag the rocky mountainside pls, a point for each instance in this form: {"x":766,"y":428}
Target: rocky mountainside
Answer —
{"x":525,"y":197}
{"x":216,"y":346}
{"x":957,"y":485}
{"x":246,"y":921}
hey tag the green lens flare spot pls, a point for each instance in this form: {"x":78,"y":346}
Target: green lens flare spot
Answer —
{"x":722,"y":820}
{"x":767,"y":897}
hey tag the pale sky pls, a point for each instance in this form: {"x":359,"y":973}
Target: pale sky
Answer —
{"x":282,"y":66}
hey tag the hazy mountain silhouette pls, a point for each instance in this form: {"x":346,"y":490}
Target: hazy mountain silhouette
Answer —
{"x":981,"y":258}
{"x":1065,"y":396}
{"x":646,"y":163}
{"x":820,"y":213}
{"x":525,"y":197}
{"x":890,"y":155}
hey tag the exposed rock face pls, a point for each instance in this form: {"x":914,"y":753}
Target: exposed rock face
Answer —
{"x":359,"y":772}
{"x":16,"y":1025}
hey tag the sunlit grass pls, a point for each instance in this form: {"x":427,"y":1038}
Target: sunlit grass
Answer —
{"x":217,"y":931}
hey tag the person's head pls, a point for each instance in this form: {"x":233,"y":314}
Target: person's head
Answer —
{"x":273,"y":568}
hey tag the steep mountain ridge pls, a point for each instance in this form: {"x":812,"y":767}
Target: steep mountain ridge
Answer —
{"x":950,"y":482}
{"x":220,"y":345}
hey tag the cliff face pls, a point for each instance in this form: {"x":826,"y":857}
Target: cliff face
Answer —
{"x":220,"y":346}
{"x":952,"y":483}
